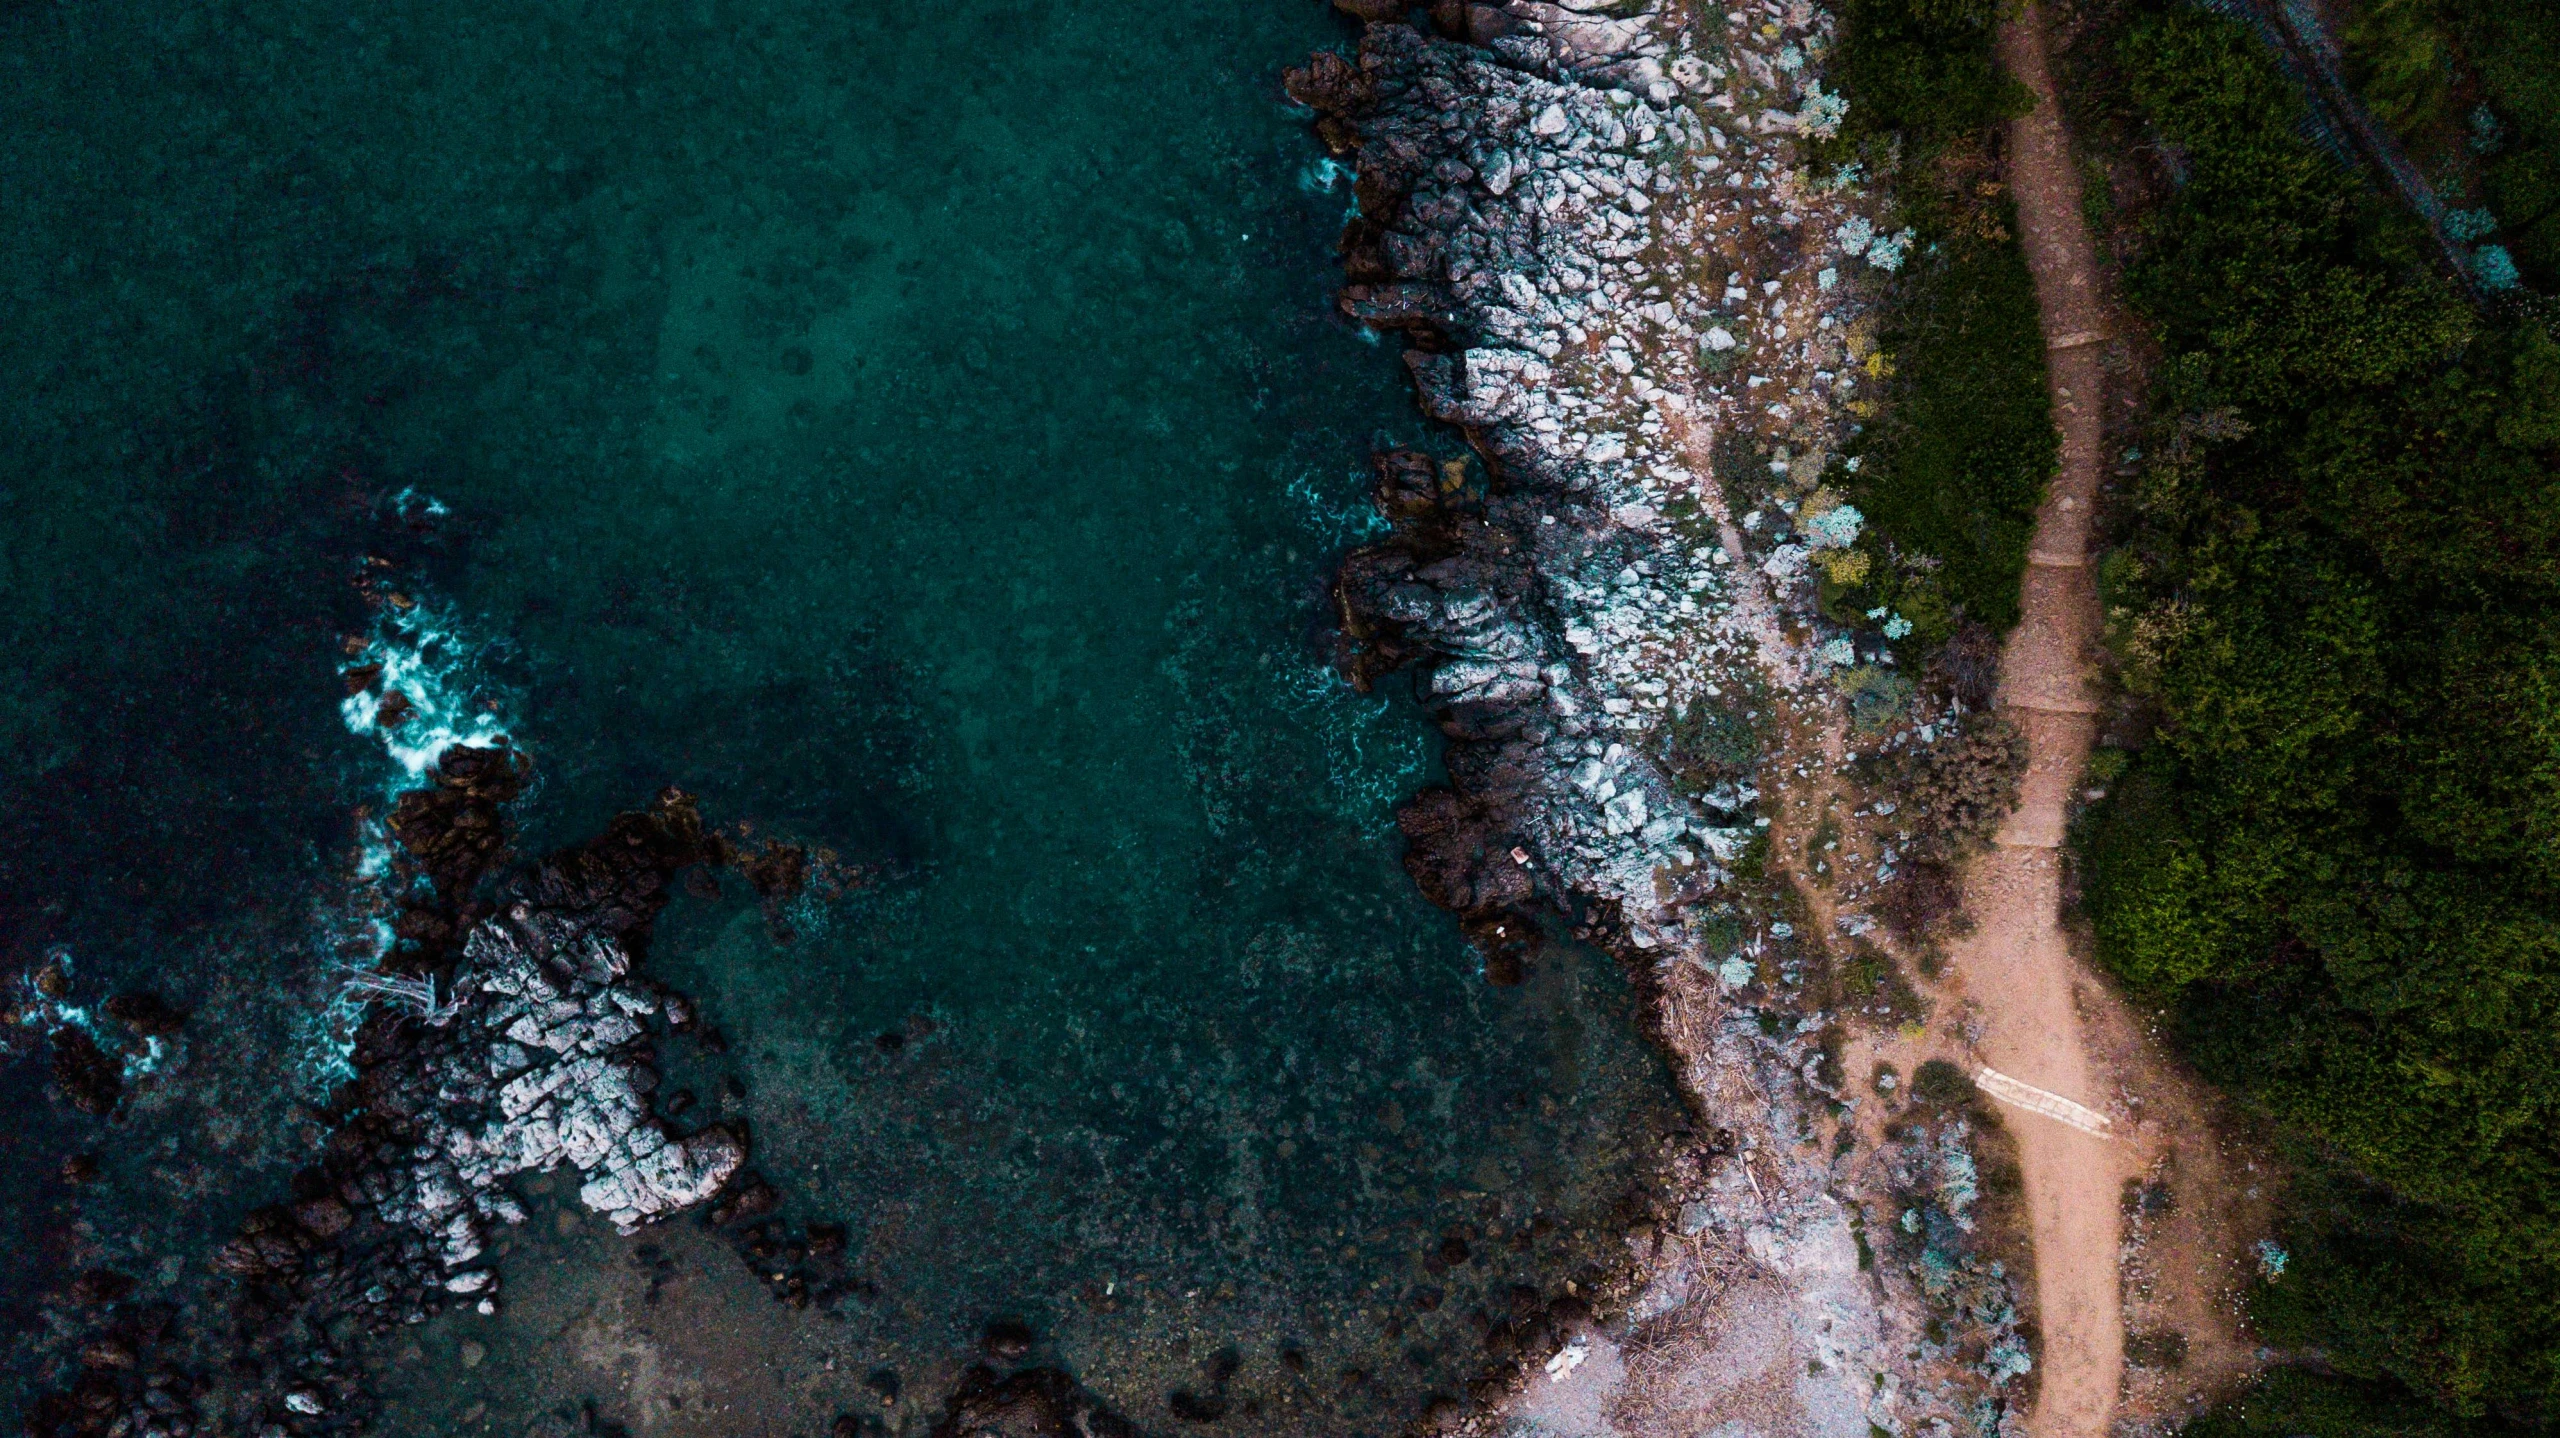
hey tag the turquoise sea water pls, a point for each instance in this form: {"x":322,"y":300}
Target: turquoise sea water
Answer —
{"x":915,"y":430}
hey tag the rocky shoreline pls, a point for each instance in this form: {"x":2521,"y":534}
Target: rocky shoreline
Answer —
{"x":499,"y":1024}
{"x":1598,"y":226}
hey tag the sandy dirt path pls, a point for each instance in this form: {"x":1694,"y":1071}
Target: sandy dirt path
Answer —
{"x":2018,"y":965}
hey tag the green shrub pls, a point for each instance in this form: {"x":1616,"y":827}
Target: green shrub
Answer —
{"x":2159,"y":926}
{"x":2509,"y":49}
{"x":2402,"y":62}
{"x":2292,"y":1403}
{"x":1949,"y":797}
{"x":1878,"y":698}
{"x":1958,"y":464}
{"x":1939,"y":1083}
{"x":1922,"y":71}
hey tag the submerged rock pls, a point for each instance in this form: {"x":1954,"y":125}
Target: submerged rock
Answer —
{"x":89,"y":1079}
{"x":146,"y":1014}
{"x":1034,"y":1403}
{"x":533,"y":1051}
{"x":539,"y":1058}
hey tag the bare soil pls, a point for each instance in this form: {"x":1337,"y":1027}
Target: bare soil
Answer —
{"x":2142,"y":1233}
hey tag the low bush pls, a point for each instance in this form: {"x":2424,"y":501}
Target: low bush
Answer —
{"x":2292,"y":1403}
{"x":2510,"y":49}
{"x":1949,"y":797}
{"x":1921,"y":72}
{"x":1941,"y":1084}
{"x":1957,"y":464}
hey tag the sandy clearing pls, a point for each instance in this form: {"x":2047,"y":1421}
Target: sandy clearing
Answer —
{"x":2019,"y":968}
{"x":2018,"y":964}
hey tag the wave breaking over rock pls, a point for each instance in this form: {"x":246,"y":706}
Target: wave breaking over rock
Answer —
{"x":532,"y":1049}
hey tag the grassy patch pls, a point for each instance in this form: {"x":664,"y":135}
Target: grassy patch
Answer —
{"x":1872,"y":984}
{"x":1713,"y":743}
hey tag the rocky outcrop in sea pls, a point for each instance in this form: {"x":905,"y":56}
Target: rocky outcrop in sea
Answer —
{"x":539,"y":1059}
{"x":1622,"y":280}
{"x":1545,"y":234}
{"x":520,"y":1041}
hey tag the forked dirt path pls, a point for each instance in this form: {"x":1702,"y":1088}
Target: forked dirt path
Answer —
{"x":2018,"y":964}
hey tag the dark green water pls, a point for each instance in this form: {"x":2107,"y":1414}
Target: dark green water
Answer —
{"x":914,"y":429}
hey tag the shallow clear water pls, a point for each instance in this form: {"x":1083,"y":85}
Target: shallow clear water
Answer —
{"x":917,"y":432}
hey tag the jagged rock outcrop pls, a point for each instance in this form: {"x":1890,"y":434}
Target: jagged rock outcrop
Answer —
{"x":539,"y":1059}
{"x":531,"y":1049}
{"x":1503,"y":209}
{"x":542,"y":1068}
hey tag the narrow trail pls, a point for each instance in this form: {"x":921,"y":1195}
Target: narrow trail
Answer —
{"x":2018,"y":963}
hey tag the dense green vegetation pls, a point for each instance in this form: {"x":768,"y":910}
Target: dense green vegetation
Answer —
{"x":1950,"y":474}
{"x":1920,"y":73}
{"x":2515,"y":55}
{"x":2293,"y":1403}
{"x":2339,"y":861}
{"x":2474,"y":86}
{"x":2336,"y":863}
{"x":1957,"y":465}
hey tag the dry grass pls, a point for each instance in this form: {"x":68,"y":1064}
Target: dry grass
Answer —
{"x":1692,"y":1368}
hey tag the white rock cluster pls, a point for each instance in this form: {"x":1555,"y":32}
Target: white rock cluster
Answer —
{"x":540,"y":1069}
{"x":1654,"y":306}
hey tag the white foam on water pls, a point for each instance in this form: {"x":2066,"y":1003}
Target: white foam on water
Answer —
{"x":427,"y":660}
{"x":428,"y":657}
{"x":1325,"y":175}
{"x":1374,"y":758}
{"x":48,"y":1014}
{"x":1335,"y":523}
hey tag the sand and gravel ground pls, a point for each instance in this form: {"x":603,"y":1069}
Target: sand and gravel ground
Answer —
{"x":2040,"y":1015}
